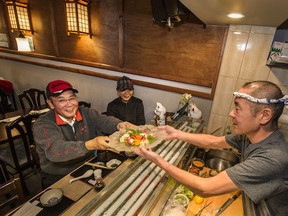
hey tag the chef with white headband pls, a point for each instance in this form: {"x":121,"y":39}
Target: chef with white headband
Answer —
{"x":262,"y":173}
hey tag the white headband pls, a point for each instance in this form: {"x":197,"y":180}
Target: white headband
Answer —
{"x":284,"y":99}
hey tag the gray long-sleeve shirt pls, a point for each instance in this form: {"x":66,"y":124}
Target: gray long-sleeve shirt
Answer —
{"x":60,"y":149}
{"x":262,"y":174}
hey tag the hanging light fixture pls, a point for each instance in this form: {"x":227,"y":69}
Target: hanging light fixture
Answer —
{"x":77,"y":17}
{"x":18,"y":16}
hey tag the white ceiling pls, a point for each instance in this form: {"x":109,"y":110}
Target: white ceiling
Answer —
{"x":270,"y":13}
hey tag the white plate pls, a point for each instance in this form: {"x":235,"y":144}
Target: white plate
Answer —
{"x":159,"y":136}
{"x":114,"y":163}
{"x":51,"y":197}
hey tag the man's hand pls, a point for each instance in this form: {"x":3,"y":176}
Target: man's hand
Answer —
{"x":172,"y":133}
{"x":147,"y":154}
{"x":99,"y":143}
{"x":124,"y":125}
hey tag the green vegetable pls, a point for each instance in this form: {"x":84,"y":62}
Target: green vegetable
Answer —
{"x":133,"y":131}
{"x":186,"y":191}
{"x":150,"y":138}
{"x":181,"y":199}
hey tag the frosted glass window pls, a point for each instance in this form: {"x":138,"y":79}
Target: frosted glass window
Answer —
{"x":77,"y":15}
{"x":18,"y":16}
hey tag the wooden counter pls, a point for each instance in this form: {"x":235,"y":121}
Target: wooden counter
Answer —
{"x":88,"y":194}
{"x":157,"y":188}
{"x":234,"y":209}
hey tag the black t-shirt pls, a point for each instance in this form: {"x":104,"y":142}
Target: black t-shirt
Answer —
{"x":133,"y":111}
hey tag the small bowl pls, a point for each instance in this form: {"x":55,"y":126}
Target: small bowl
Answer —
{"x":51,"y":197}
{"x":114,"y":163}
{"x":181,"y":199}
{"x":218,"y":164}
{"x":198,"y":163}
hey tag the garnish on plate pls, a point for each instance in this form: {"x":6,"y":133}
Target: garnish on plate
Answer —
{"x":136,"y":137}
{"x":147,"y":136}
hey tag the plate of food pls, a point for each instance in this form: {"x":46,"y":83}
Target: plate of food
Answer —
{"x":147,"y":136}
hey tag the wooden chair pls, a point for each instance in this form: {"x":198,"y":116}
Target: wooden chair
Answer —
{"x":7,"y":102}
{"x":85,"y":104}
{"x":28,"y":121}
{"x":32,"y":98}
{"x":4,"y":175}
{"x":17,"y":155}
{"x":12,"y":195}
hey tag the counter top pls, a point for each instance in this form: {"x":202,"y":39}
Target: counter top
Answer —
{"x":234,"y":209}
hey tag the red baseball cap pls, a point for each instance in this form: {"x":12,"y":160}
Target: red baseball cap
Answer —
{"x":57,"y":87}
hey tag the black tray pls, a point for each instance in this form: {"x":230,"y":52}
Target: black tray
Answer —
{"x":57,"y":209}
{"x":102,"y":156}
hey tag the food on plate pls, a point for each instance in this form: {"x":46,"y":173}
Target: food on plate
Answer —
{"x":136,"y":137}
{"x":128,"y":139}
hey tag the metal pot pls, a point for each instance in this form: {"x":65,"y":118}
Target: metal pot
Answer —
{"x":218,"y":164}
{"x":229,"y":156}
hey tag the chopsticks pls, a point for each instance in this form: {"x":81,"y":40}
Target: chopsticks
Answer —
{"x":113,"y":150}
{"x":97,"y":165}
{"x":201,"y":210}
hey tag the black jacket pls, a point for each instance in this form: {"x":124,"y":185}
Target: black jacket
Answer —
{"x":133,"y":111}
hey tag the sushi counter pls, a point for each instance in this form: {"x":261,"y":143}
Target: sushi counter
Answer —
{"x":137,"y":186}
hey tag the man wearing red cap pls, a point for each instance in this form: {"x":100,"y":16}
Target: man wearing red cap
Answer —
{"x":66,"y":136}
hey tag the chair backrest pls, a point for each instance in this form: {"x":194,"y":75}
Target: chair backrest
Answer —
{"x":12,"y":195}
{"x":85,"y":104}
{"x":32,"y":97}
{"x":7,"y":102}
{"x":4,"y":175}
{"x":23,"y":126}
{"x":28,"y":121}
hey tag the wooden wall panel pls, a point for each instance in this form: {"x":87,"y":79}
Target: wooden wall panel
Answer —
{"x":186,"y":53}
{"x":43,"y":34}
{"x":102,"y":47}
{"x":124,"y":38}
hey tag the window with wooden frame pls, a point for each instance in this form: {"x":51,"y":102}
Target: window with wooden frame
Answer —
{"x":77,"y":17}
{"x":19,"y":18}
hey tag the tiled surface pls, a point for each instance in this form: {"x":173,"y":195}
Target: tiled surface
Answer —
{"x":244,"y":60}
{"x":215,"y":122}
{"x":224,"y":89}
{"x":234,"y":53}
{"x":256,"y":53}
